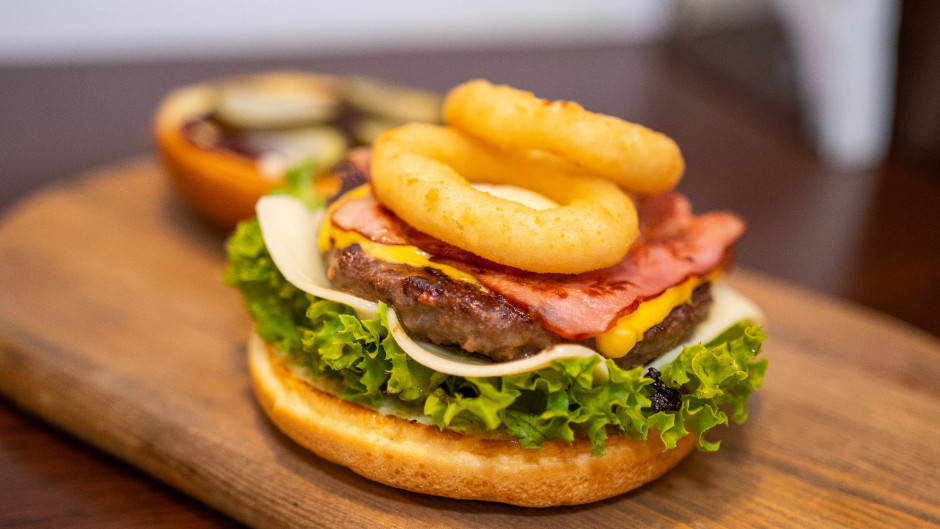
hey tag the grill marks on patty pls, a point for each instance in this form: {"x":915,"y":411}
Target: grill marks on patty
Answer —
{"x":673,"y":245}
{"x":436,"y":308}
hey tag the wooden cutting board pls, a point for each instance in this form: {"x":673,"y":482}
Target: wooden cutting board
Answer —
{"x":115,"y":326}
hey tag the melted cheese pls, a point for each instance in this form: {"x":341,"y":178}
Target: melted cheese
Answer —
{"x":615,"y":343}
{"x":629,"y":329}
{"x":412,"y":255}
{"x":395,"y":253}
{"x":288,"y":227}
{"x":728,"y":308}
{"x":330,"y":235}
{"x":326,"y":227}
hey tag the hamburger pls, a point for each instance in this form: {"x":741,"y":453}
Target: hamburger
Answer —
{"x":422,"y":365}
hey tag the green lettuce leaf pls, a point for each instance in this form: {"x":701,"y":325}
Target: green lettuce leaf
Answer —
{"x":298,"y":183}
{"x":559,"y":402}
{"x":276,"y":306}
{"x":723,"y":372}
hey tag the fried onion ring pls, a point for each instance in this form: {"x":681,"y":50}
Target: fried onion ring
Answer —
{"x":423,"y":173}
{"x":639,"y":159}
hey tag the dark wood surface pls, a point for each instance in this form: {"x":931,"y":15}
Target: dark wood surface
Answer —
{"x":868,"y":237}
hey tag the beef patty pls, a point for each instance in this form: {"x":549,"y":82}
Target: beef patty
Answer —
{"x":436,"y":308}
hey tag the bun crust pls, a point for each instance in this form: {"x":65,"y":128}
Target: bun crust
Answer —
{"x":219,"y":184}
{"x":421,"y":458}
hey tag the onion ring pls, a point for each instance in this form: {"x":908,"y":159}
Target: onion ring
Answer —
{"x":423,"y":172}
{"x":639,"y":159}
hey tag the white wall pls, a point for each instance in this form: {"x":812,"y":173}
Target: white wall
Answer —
{"x":63,"y":31}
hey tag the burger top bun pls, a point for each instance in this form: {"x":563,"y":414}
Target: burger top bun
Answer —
{"x":282,"y":117}
{"x":226,"y":142}
{"x":421,"y":458}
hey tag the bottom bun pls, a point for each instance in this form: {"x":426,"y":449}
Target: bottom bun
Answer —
{"x":421,"y":458}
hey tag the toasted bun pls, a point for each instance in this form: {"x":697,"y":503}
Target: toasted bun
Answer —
{"x":220,"y":184}
{"x":421,"y":458}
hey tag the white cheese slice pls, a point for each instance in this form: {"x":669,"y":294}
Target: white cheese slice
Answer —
{"x":521,"y":195}
{"x":290,"y":232}
{"x":290,"y":229}
{"x":444,"y":361}
{"x":728,"y":308}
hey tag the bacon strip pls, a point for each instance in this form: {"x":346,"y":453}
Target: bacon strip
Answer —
{"x":673,"y":245}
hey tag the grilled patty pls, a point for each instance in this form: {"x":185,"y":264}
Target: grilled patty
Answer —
{"x":436,"y":308}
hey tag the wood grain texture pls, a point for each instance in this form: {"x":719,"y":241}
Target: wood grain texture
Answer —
{"x":115,"y":326}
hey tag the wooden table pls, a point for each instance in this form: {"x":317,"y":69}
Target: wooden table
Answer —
{"x":116,"y":327}
{"x":812,"y":454}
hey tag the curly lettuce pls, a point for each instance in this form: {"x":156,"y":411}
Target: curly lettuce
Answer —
{"x":554,"y":403}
